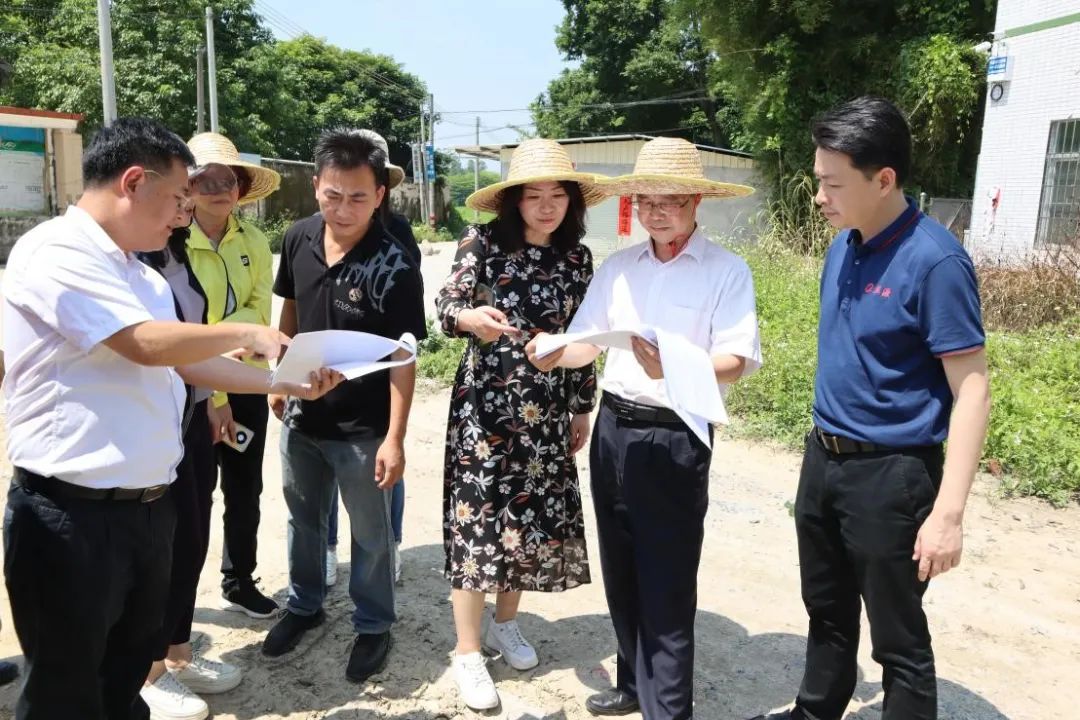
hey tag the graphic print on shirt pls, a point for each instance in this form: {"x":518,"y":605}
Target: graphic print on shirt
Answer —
{"x":373,"y":278}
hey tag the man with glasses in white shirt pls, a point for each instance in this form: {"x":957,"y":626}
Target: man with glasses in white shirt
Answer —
{"x":649,"y":471}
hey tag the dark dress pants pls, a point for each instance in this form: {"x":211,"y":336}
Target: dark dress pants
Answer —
{"x":650,"y":486}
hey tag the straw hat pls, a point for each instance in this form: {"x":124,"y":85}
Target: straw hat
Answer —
{"x":670,"y":166}
{"x":396,"y":173}
{"x":535,"y":161}
{"x":209,"y":148}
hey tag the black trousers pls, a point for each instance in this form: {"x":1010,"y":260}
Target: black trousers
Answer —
{"x":650,"y":486}
{"x":241,"y":486}
{"x":88,"y":581}
{"x":856,"y":517}
{"x":192,"y":494}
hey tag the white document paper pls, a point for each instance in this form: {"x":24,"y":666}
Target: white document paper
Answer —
{"x":351,"y":353}
{"x":689,"y":377}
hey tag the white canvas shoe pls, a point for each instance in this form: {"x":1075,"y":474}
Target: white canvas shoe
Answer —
{"x":208,"y":677}
{"x":170,"y":699}
{"x":474,"y":682}
{"x":507,"y":640}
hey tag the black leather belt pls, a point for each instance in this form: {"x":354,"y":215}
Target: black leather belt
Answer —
{"x":840,"y":445}
{"x":52,"y":487}
{"x":630,"y":410}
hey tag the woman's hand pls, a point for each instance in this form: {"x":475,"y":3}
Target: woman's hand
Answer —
{"x":222,"y":424}
{"x":486,"y":323}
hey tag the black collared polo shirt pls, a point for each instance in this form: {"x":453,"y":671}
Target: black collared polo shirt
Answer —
{"x":376,"y":289}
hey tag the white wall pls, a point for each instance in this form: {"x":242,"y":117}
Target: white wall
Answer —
{"x":1044,"y":87}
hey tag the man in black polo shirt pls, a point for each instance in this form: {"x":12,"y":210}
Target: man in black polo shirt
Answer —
{"x":901,"y":366}
{"x":341,"y":270}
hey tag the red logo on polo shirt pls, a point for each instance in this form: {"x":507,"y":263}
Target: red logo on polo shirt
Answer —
{"x":873,"y":289}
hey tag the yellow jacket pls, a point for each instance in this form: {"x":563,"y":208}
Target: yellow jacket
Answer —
{"x":237,"y":277}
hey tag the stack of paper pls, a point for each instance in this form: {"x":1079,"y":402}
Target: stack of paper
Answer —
{"x":351,"y":353}
{"x":688,"y":371}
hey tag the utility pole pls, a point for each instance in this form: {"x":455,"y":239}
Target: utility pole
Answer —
{"x":421,"y":171}
{"x":431,"y":185}
{"x":200,"y":92}
{"x":211,"y":62}
{"x":108,"y":78}
{"x":476,"y":167}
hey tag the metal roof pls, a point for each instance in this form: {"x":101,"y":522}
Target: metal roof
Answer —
{"x":493,"y":151}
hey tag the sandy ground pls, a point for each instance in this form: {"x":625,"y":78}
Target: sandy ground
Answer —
{"x":1006,"y":623}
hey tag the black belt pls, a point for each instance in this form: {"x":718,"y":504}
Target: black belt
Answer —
{"x":52,"y":487}
{"x":630,"y":410}
{"x":840,"y":445}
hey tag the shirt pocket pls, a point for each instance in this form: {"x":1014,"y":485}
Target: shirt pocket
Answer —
{"x":688,"y":321}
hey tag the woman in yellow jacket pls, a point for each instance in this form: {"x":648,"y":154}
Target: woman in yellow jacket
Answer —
{"x":232,"y":260}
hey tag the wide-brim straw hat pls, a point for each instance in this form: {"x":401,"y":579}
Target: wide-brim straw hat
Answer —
{"x":397,"y":174}
{"x":671,"y":166}
{"x":210,"y":148}
{"x":536,"y":161}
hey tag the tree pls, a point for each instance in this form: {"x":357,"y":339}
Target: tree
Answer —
{"x":462,"y":184}
{"x":784,"y":63}
{"x":633,"y":51}
{"x":274,"y":97}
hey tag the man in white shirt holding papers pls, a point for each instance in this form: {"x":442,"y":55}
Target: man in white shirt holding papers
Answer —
{"x":649,"y":468}
{"x":94,"y":400}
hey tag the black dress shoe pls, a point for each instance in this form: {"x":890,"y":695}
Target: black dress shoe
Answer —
{"x":782,"y":715}
{"x":285,"y":635}
{"x":611,"y":702}
{"x":368,"y":656}
{"x":9,"y":671}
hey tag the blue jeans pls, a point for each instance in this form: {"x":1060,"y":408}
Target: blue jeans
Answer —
{"x":311,"y":470}
{"x":397,"y":512}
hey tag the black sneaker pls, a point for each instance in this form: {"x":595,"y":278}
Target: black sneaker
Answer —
{"x":285,"y":635}
{"x":245,"y":597}
{"x":368,"y":656}
{"x":9,"y":671}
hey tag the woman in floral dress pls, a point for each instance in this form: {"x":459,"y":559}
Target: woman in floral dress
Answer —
{"x":512,"y":518}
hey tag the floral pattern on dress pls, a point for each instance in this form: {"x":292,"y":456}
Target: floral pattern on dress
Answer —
{"x":512,"y":517}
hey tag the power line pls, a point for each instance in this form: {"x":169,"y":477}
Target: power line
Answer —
{"x":587,"y":106}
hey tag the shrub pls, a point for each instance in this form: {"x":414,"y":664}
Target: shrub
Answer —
{"x":273,"y":228}
{"x":426,"y":233}
{"x":1033,"y":442}
{"x":438,"y":355}
{"x":1043,"y":291}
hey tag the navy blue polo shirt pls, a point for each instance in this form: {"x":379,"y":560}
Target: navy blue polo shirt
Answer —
{"x":891,"y":308}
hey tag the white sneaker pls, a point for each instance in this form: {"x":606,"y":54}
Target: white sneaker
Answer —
{"x":169,"y":699}
{"x":397,"y":563}
{"x":208,"y":677}
{"x":474,"y":682}
{"x":331,"y":566}
{"x":506,"y":639}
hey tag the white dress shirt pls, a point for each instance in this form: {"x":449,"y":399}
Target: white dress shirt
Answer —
{"x":705,"y":294}
{"x":76,"y":410}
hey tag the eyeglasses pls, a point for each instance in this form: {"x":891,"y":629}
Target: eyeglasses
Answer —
{"x":185,"y":204}
{"x":206,"y":183}
{"x":666,"y":207}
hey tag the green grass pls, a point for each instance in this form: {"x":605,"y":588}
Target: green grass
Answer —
{"x":1033,"y":440}
{"x":438,"y":355}
{"x":469,"y":215}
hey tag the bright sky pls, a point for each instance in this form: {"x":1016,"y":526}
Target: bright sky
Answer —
{"x":472,"y":54}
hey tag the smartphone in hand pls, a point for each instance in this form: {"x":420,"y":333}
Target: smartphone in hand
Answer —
{"x":243,"y":438}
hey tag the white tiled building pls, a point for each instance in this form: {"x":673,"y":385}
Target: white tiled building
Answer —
{"x":1027,"y":188}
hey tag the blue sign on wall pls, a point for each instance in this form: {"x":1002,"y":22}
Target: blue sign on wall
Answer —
{"x":429,"y":160}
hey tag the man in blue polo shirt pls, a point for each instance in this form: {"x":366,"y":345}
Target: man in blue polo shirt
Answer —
{"x":901,"y":366}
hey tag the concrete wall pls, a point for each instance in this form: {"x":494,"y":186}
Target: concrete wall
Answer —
{"x":1044,"y":87}
{"x":12,"y":228}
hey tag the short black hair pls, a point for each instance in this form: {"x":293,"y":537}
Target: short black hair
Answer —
{"x":869,"y":130}
{"x":349,"y":148}
{"x":128,"y":142}
{"x":508,"y":228}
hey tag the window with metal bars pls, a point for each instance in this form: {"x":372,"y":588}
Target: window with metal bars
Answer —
{"x":1059,"y":210}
